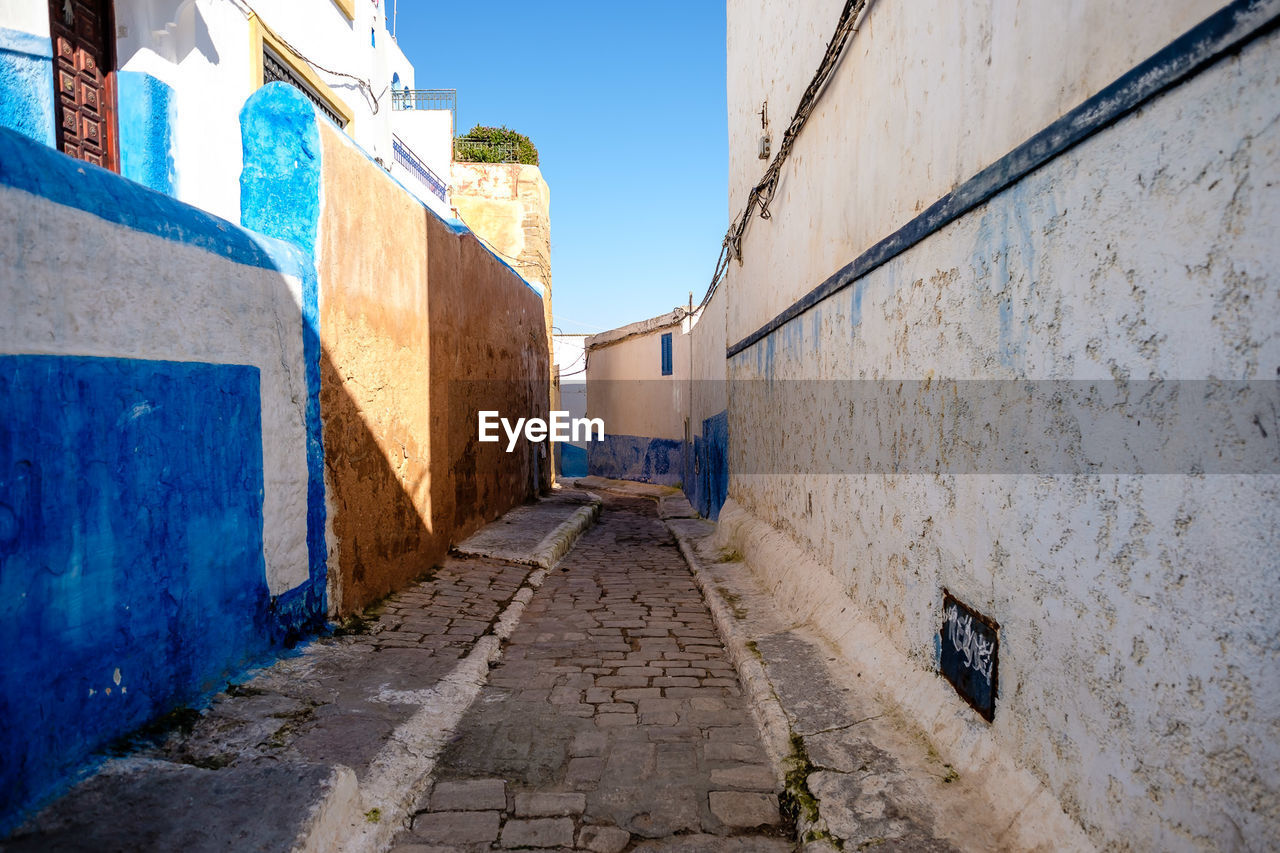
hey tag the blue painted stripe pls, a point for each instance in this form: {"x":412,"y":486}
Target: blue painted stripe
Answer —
{"x":280,"y":196}
{"x":573,"y":460}
{"x":31,"y":44}
{"x":636,"y":457}
{"x":1221,"y":34}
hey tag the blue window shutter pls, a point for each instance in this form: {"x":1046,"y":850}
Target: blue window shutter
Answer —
{"x":666,"y":354}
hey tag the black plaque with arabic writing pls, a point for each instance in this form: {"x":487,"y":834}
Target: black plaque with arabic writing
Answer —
{"x":970,"y":654}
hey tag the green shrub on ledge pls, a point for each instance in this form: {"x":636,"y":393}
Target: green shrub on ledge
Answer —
{"x":494,"y":145}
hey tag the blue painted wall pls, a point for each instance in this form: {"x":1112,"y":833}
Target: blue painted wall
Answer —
{"x":145,"y":107}
{"x":572,"y":461}
{"x":26,"y":85}
{"x":131,"y":563}
{"x":706,"y":476}
{"x":634,"y":457}
{"x":280,"y":197}
{"x":145,"y":480}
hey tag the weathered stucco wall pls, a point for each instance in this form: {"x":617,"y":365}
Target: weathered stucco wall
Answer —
{"x":376,"y":397}
{"x":927,"y":94}
{"x":154,"y":476}
{"x":508,"y":206}
{"x":1137,"y":612}
{"x":489,"y":352}
{"x":421,"y":327}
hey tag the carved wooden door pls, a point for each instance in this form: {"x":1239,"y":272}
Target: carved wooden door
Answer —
{"x":83,"y":65}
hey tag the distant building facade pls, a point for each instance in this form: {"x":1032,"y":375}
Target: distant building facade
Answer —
{"x":569,"y":360}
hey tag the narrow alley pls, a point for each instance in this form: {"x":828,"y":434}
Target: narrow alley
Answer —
{"x":895,"y":466}
{"x":614,"y":713}
{"x":590,"y":704}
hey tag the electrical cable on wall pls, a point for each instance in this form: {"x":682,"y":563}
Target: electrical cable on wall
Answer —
{"x":365,"y":87}
{"x":761,"y":194}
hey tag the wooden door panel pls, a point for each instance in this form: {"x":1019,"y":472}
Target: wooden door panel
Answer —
{"x":83,"y":77}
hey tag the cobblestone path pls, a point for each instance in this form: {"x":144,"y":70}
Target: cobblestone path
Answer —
{"x":337,"y":702}
{"x":614,"y":720}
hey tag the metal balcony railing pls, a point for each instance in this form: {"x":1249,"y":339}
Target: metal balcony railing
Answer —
{"x":427,"y":99}
{"x":467,"y":149}
{"x":405,"y":157}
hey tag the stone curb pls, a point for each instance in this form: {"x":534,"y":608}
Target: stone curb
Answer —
{"x":558,"y":542}
{"x":805,"y":593}
{"x":339,"y":807}
{"x":401,"y":771}
{"x":771,"y":719}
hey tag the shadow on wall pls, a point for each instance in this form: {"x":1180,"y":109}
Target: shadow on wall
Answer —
{"x":133,"y":485}
{"x":135,"y":531}
{"x":419,"y":333}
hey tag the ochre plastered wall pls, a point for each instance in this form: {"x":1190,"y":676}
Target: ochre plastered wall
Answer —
{"x":508,"y":205}
{"x":398,"y":327}
{"x":489,"y":352}
{"x":626,"y":388}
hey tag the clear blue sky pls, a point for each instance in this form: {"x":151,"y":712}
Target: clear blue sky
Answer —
{"x":626,"y":104}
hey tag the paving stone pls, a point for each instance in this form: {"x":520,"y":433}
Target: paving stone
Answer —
{"x":744,"y":810}
{"x":717,"y":844}
{"x":616,"y":708}
{"x":603,"y":839}
{"x":456,"y":827}
{"x":469,"y":795}
{"x":540,"y":832}
{"x":753,"y":776}
{"x":549,"y":804}
{"x":724,"y":751}
{"x":584,"y":770}
{"x":622,"y":681}
{"x":588,"y":743}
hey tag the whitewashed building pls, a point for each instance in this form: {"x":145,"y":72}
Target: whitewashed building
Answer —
{"x":153,"y":90}
{"x":1064,"y":210}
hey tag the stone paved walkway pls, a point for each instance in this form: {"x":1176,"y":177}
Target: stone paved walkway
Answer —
{"x":613,"y":721}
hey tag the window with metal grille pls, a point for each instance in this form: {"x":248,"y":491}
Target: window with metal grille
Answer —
{"x":666,"y":354}
{"x":274,"y":68}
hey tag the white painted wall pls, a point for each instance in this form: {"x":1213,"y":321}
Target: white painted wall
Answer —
{"x":926,"y":95}
{"x":201,"y":48}
{"x":430,"y":134}
{"x":569,"y":355}
{"x":710,"y":394}
{"x":626,"y":388}
{"x":165,"y":300}
{"x":25,"y":16}
{"x":1138,"y":662}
